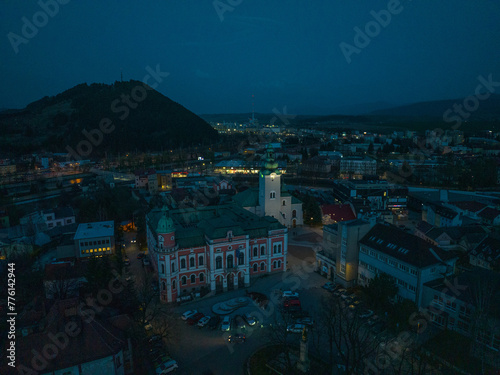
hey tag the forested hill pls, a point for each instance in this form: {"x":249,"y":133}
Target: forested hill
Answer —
{"x":141,"y":119}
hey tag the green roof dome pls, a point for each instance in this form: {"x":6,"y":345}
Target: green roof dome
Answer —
{"x":165,"y":224}
{"x":271,"y":165}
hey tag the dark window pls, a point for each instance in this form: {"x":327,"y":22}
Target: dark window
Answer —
{"x":163,"y":287}
{"x":191,"y":262}
{"x":274,"y":249}
{"x":173,"y":284}
{"x":183,"y":280}
{"x":183,"y":263}
{"x":255,"y":251}
{"x":294,"y":213}
{"x":218,"y":263}
{"x":229,"y":261}
{"x":193,"y":279}
{"x":262,"y":266}
{"x":262,"y":250}
{"x":241,"y":259}
{"x":255,"y":267}
{"x":162,"y":268}
{"x":173,"y":267}
{"x":202,"y":277}
{"x":200,"y":261}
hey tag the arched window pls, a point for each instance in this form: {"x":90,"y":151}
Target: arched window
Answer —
{"x":218,"y":263}
{"x":272,"y":195}
{"x":262,"y":266}
{"x":274,"y":264}
{"x":241,"y":259}
{"x":262,"y":250}
{"x":279,"y":263}
{"x":173,"y":284}
{"x":284,"y":203}
{"x":255,"y":267}
{"x":183,"y":280}
{"x":163,"y":286}
{"x":183,"y":263}
{"x":202,"y":277}
{"x":274,"y":249}
{"x":229,"y":261}
{"x":255,"y":251}
{"x":200,"y":260}
{"x":191,"y":262}
{"x":162,"y":268}
{"x":294,"y":213}
{"x":193,"y":279}
{"x":173,"y":267}
{"x":279,"y":248}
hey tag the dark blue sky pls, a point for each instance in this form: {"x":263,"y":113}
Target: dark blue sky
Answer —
{"x":285,"y":52}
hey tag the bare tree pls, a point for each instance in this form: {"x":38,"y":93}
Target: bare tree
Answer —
{"x":346,"y":335}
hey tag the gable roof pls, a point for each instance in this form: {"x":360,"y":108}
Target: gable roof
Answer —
{"x":471,"y":206}
{"x":247,"y":198}
{"x":489,"y":213}
{"x":404,"y":246}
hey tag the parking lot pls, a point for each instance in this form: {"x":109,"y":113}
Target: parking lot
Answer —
{"x":205,"y":351}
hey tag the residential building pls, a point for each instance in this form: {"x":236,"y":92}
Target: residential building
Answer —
{"x":339,"y":255}
{"x":59,"y":217}
{"x":488,"y":216}
{"x":91,"y":346}
{"x":440,"y":216}
{"x":357,"y":167}
{"x":487,"y":253}
{"x":95,"y":239}
{"x":408,"y":259}
{"x":214,"y":247}
{"x":472,"y":310}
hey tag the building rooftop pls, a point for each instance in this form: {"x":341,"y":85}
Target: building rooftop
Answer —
{"x":95,"y":230}
{"x":193,"y":226}
{"x":404,"y":246}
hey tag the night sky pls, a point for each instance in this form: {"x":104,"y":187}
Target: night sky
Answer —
{"x":286,"y":53}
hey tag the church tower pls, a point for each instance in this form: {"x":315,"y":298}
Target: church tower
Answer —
{"x":270,"y":186}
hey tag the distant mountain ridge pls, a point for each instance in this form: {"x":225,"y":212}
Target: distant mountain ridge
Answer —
{"x":152,"y":123}
{"x":488,"y":109}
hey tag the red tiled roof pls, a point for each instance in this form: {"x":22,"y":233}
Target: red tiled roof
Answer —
{"x":338,"y":212}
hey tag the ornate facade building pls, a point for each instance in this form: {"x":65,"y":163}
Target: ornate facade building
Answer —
{"x":217,"y":247}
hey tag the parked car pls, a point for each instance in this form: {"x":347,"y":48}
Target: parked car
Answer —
{"x":295,"y":328}
{"x":214,"y":322}
{"x":330,"y":286}
{"x":366,"y":314}
{"x":188,"y":314}
{"x":346,"y":296}
{"x":289,"y":293}
{"x":249,"y":319}
{"x":238,"y":337}
{"x":167,"y":367}
{"x":239,"y":322}
{"x":126,"y":262}
{"x":226,"y":323}
{"x":339,"y":292}
{"x":203,"y":321}
{"x":192,"y":320}
{"x":307,"y":320}
{"x":141,"y":255}
{"x":291,"y":303}
{"x":145,"y":261}
{"x":134,"y":240}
